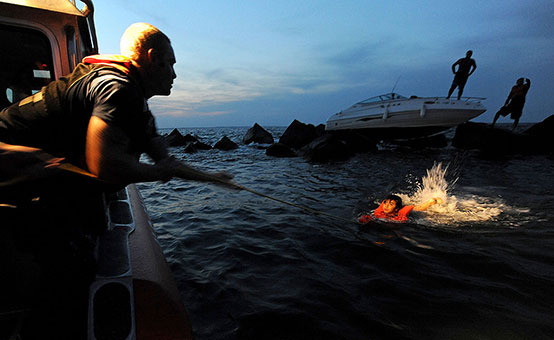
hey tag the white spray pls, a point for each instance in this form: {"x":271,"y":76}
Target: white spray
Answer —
{"x":454,"y":210}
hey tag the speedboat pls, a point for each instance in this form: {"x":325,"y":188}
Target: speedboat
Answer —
{"x":394,"y":116}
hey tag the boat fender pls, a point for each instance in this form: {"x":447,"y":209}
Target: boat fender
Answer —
{"x":386,"y":114}
{"x":422,"y":111}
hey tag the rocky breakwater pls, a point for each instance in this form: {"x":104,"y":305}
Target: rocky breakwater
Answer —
{"x":314,"y":144}
{"x":538,"y":139}
{"x":311,"y":142}
{"x":192,"y":144}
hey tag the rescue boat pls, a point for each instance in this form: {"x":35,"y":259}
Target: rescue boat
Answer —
{"x":133,"y":294}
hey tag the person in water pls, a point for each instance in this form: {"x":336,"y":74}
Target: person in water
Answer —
{"x":466,"y":67}
{"x":392,"y":209}
{"x":515,"y":102}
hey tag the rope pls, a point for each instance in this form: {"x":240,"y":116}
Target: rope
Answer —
{"x":188,"y":173}
{"x":313,"y":211}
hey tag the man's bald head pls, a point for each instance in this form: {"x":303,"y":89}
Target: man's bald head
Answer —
{"x":141,"y":37}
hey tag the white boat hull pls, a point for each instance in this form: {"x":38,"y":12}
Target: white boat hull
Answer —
{"x":425,"y":114}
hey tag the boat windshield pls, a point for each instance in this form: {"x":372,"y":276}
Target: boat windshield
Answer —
{"x":382,"y":98}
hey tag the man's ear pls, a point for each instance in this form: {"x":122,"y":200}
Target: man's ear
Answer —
{"x":152,"y":55}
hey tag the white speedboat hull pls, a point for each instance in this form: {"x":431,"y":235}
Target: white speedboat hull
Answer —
{"x":398,"y":114}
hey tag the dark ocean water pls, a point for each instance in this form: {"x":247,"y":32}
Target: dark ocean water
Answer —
{"x":478,"y":267}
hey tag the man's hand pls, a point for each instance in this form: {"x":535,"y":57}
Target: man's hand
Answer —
{"x":165,"y":168}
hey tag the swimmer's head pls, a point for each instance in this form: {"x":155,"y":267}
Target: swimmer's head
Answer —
{"x":392,"y":204}
{"x":519,"y":81}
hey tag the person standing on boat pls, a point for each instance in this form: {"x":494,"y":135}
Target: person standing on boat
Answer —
{"x":466,"y":67}
{"x":515,"y":102}
{"x":98,"y":118}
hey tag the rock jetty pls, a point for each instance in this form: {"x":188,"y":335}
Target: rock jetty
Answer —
{"x":538,"y":139}
{"x":315,"y":144}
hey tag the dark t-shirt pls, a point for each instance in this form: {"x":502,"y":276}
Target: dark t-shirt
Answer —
{"x":464,"y":66}
{"x":105,"y":92}
{"x":117,"y":100}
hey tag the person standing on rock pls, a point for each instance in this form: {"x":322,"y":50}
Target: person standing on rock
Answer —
{"x":466,"y":67}
{"x":515,"y":102}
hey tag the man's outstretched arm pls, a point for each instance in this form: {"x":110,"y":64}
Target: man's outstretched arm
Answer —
{"x":107,"y":157}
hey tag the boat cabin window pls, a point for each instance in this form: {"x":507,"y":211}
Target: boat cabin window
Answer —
{"x":26,"y":63}
{"x":382,"y":98}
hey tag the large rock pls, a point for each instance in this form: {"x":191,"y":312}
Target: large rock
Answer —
{"x":317,"y":145}
{"x":543,"y":130}
{"x":320,"y":130}
{"x":225,"y":144}
{"x":436,"y":141}
{"x":189,"y":148}
{"x":175,"y":138}
{"x":543,"y":134}
{"x":280,"y":150}
{"x":356,"y":142}
{"x":257,"y":134}
{"x":202,"y":146}
{"x":326,"y":148}
{"x":494,"y":141}
{"x":298,"y":134}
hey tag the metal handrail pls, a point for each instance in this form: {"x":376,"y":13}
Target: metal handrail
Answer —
{"x":462,"y":98}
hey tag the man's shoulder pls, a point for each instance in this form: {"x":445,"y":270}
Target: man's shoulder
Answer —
{"x":108,"y":72}
{"x":106,"y":78}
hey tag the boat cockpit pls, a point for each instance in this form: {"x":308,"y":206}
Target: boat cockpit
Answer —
{"x":382,"y":98}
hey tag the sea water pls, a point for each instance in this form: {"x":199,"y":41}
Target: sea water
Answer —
{"x":479,"y":266}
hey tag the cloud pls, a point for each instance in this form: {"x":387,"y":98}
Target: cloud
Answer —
{"x":194,"y":91}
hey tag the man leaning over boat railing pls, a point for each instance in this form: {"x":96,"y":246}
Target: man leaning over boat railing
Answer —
{"x":108,"y":94}
{"x":60,"y":149}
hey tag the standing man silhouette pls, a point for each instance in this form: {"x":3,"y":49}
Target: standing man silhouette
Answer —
{"x":466,"y":67}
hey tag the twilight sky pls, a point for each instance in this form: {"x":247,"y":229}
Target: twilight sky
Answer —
{"x":270,"y":62}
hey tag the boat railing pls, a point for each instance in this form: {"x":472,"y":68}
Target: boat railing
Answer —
{"x":369,"y":102}
{"x":466,"y":99}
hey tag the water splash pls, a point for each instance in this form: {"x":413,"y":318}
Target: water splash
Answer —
{"x":456,"y":209}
